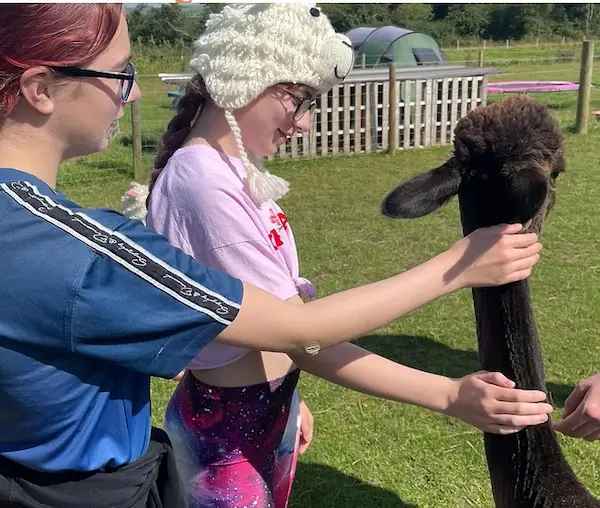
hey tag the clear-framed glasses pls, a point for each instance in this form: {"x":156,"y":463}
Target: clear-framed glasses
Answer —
{"x":126,"y":77}
{"x":304,"y":104}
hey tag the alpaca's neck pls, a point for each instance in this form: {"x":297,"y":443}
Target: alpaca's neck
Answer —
{"x":527,"y":469}
{"x":507,"y":335}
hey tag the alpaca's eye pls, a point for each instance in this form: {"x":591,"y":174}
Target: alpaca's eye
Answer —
{"x":314,"y":12}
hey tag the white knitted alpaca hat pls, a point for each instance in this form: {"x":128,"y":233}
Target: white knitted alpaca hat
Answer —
{"x":247,"y":48}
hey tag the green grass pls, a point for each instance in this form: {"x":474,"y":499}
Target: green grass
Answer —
{"x":500,"y":55}
{"x":374,"y":453}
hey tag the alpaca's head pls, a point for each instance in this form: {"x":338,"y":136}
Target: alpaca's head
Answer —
{"x":506,"y":159}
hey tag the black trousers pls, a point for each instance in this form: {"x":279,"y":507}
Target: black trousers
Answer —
{"x":149,"y":482}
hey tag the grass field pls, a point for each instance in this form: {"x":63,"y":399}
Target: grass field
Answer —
{"x":502,"y":56}
{"x":373,"y":453}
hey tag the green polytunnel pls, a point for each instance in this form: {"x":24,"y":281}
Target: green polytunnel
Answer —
{"x":386,"y":44}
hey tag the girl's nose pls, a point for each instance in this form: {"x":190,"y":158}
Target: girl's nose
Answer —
{"x":303,"y":124}
{"x":135,"y":93}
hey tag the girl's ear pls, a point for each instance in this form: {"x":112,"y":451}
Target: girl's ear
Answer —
{"x":35,"y":84}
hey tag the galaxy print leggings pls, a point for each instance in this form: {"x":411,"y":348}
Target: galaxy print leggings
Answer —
{"x":235,"y":447}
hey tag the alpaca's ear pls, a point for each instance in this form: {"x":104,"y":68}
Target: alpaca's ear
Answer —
{"x":423,"y":194}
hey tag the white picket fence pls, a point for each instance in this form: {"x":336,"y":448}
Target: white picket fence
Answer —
{"x":354,"y":117}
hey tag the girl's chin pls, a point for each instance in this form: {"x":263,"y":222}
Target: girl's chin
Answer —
{"x":113,"y":131}
{"x":265,"y":150}
{"x":279,"y":142}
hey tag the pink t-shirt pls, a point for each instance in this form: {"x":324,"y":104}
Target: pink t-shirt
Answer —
{"x":200,"y":205}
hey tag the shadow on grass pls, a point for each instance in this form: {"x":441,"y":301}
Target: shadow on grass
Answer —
{"x":321,"y":486}
{"x":429,"y":355}
{"x":569,"y":129}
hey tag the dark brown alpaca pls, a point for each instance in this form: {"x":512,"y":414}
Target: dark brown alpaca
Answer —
{"x":505,"y":162}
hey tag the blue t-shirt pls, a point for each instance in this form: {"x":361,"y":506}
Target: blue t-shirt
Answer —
{"x":91,"y":305}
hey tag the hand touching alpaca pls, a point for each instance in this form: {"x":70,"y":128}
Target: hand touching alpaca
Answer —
{"x":581,"y":414}
{"x":493,"y":256}
{"x":489,"y":401}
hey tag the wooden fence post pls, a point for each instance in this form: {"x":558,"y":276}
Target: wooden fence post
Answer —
{"x":136,"y":134}
{"x":585,"y":85}
{"x":481,"y":51}
{"x":393,"y":116}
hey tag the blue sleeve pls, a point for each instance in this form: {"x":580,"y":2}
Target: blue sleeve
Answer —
{"x":145,"y":305}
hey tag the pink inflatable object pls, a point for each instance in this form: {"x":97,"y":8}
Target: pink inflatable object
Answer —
{"x":531,"y":86}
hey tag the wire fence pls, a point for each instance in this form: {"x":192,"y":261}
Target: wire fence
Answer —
{"x":353,"y":118}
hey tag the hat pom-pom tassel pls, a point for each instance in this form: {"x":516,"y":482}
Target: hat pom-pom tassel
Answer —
{"x":263,"y":186}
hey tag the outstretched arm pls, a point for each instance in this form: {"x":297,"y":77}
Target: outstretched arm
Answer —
{"x":486,"y":257}
{"x":487,"y":401}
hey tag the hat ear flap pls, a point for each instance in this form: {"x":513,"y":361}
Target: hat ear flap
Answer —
{"x":423,"y":194}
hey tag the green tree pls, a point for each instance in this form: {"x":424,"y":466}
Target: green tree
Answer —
{"x":344,"y":17}
{"x":469,"y":19}
{"x":180,"y":24}
{"x":169,"y":23}
{"x":163,"y":24}
{"x":583,"y":18}
{"x":506,"y":21}
{"x":411,"y":16}
{"x":536,"y":19}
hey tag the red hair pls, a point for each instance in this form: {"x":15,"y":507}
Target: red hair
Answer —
{"x":51,"y":34}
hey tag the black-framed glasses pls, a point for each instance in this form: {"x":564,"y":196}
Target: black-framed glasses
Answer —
{"x":127,"y":76}
{"x":305,"y":105}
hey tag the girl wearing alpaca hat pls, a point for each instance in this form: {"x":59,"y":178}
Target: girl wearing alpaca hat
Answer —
{"x":236,"y":419}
